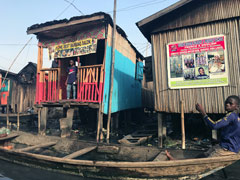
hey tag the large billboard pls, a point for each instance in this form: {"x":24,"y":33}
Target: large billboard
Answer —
{"x":197,"y":63}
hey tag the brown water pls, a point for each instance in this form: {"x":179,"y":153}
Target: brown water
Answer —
{"x":232,"y":172}
{"x":9,"y":171}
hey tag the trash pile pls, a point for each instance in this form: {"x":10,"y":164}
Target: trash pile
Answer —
{"x":4,"y":132}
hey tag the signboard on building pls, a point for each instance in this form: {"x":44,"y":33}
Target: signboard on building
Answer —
{"x":76,"y":48}
{"x":197,"y":63}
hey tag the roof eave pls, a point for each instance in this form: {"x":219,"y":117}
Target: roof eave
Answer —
{"x":65,"y":24}
{"x":163,"y":12}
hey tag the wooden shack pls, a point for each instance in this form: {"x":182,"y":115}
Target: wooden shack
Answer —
{"x":190,"y":20}
{"x":18,"y":90}
{"x":183,"y":33}
{"x":88,"y":41}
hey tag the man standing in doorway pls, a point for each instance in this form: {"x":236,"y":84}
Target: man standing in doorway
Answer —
{"x":71,"y":79}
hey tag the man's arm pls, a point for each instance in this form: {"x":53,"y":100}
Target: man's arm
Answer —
{"x":221,"y":122}
{"x":215,"y":124}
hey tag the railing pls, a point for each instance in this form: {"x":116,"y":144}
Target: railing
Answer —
{"x":90,"y":83}
{"x":47,"y":88}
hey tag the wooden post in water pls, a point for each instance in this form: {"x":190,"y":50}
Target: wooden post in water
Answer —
{"x":99,"y":124}
{"x":160,"y":130}
{"x":18,"y":118}
{"x":18,"y":121}
{"x":112,"y":70}
{"x":8,"y":112}
{"x":39,"y":119}
{"x":43,"y":120}
{"x":183,"y":125}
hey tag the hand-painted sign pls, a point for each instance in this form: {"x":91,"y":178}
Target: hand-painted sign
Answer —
{"x":197,"y":63}
{"x":76,"y":48}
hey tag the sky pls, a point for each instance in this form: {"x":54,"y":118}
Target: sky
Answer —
{"x":18,"y":15}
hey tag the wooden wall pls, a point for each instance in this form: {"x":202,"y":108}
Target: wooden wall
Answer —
{"x":167,"y":100}
{"x":198,"y":12}
{"x":23,"y":95}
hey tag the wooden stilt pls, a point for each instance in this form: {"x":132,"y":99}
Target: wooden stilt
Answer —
{"x":214,"y":135}
{"x":18,"y":121}
{"x":183,"y":125}
{"x":7,"y":115}
{"x":160,"y":130}
{"x":66,"y":123}
{"x":115,"y":121}
{"x":43,"y":120}
{"x":99,"y":130}
{"x":39,"y":119}
{"x":16,"y":108}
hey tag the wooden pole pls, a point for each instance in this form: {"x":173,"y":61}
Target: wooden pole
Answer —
{"x":18,"y":121}
{"x":160,"y":131}
{"x":99,"y":129}
{"x":39,"y":119}
{"x":182,"y":125}
{"x":7,"y":114}
{"x":112,"y":70}
{"x":18,"y":118}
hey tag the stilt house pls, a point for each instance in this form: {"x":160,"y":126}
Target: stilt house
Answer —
{"x":188,"y":36}
{"x":195,"y":46}
{"x":88,"y":41}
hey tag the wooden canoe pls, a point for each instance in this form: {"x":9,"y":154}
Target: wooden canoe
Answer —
{"x":127,"y":162}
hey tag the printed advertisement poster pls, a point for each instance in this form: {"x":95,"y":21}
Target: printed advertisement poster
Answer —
{"x":76,"y":48}
{"x":4,"y":91}
{"x":197,"y":63}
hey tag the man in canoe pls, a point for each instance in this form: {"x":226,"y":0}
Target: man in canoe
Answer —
{"x":230,"y":128}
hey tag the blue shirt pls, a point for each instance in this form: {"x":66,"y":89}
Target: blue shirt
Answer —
{"x":72,"y":74}
{"x":230,"y":131}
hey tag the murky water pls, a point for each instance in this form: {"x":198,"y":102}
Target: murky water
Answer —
{"x":9,"y":171}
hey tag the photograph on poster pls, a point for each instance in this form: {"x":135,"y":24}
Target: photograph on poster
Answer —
{"x":201,"y":59}
{"x":188,"y":61}
{"x":216,"y":62}
{"x":201,"y":72}
{"x":189,"y":74}
{"x":176,"y":67}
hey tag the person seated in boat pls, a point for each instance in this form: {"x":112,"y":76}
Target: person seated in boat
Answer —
{"x":230,"y":128}
{"x":71,"y":80}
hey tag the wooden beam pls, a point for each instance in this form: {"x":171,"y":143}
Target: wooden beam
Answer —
{"x":80,"y":152}
{"x":44,"y":145}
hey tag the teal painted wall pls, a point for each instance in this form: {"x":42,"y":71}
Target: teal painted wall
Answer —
{"x":126,"y":89}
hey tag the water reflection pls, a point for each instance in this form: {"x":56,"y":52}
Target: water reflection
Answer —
{"x":9,"y":171}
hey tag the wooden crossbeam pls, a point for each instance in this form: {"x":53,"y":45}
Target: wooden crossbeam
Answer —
{"x":44,"y":145}
{"x":80,"y":152}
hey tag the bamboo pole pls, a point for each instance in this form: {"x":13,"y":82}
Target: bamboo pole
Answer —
{"x":183,"y":125}
{"x":18,"y":121}
{"x":7,"y":114}
{"x":112,"y":70}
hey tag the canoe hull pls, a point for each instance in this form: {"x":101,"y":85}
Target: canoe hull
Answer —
{"x":180,"y":169}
